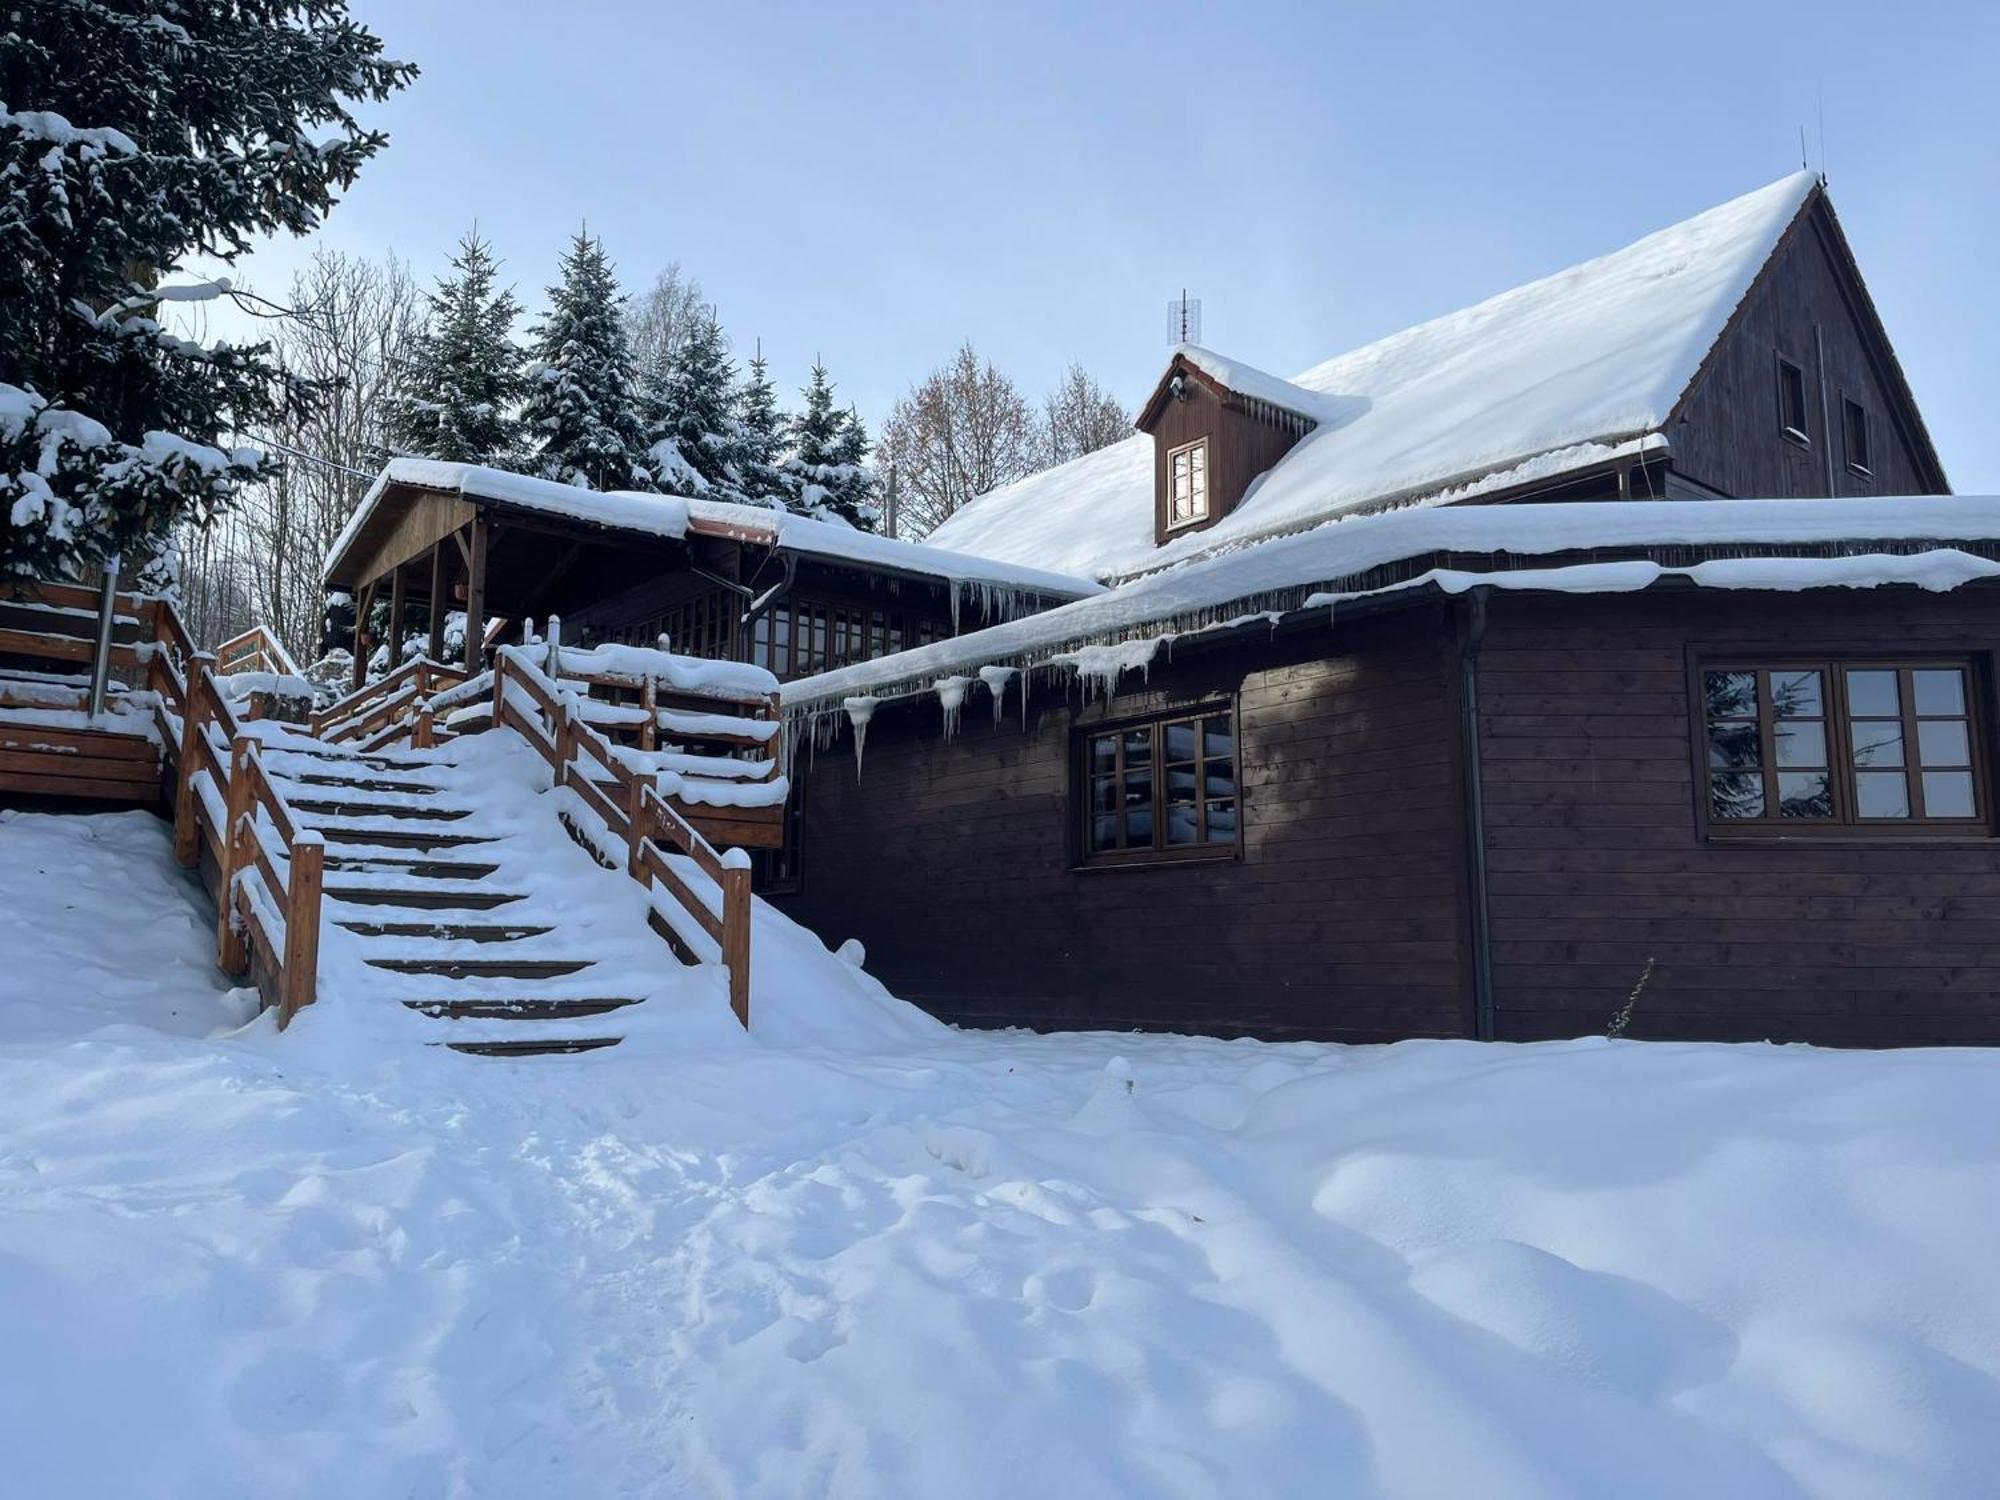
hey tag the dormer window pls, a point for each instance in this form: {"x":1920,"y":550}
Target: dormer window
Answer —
{"x":1187,"y":484}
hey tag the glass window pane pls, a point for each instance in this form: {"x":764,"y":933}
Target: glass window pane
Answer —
{"x":1104,"y":832}
{"x":1881,"y":794}
{"x":1878,"y":742}
{"x":1222,"y":822}
{"x":1139,"y":799}
{"x":1735,"y":794}
{"x":1139,"y":828}
{"x":1873,"y":691}
{"x":1180,"y":743}
{"x":1180,"y":784}
{"x":1184,"y":824}
{"x":1734,"y":746}
{"x":1939,"y":690}
{"x":1104,"y":794}
{"x":1948,"y":794}
{"x":1800,"y":742}
{"x":1943,"y":742}
{"x":1219,"y":778}
{"x":1138,"y":746}
{"x":1731,"y":695}
{"x":1103,"y":752}
{"x":1216,"y":738}
{"x":1805,"y":794}
{"x":1796,"y":695}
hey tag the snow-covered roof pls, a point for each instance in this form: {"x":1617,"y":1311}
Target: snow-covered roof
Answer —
{"x":675,"y":517}
{"x":1832,"y":543}
{"x":1546,"y":378}
{"x":1249,"y":381}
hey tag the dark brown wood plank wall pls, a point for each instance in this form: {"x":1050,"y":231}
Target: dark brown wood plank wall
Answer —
{"x":1345,"y":918}
{"x":1596,"y":862}
{"x":1729,"y":437}
{"x":1240,"y":447}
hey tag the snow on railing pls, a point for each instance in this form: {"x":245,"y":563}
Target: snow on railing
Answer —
{"x":627,"y":800}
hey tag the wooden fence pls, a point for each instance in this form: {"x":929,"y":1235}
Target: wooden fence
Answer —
{"x":634,"y":813}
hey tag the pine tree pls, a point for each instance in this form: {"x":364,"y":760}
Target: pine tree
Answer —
{"x":128,"y":143}
{"x":697,"y":416}
{"x":827,"y":464}
{"x":467,"y":378}
{"x":762,"y":429}
{"x":581,"y":412}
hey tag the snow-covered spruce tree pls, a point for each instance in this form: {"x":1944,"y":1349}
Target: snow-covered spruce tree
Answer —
{"x":761,"y":431}
{"x":466,"y":379}
{"x":697,"y":413}
{"x":131,"y":138}
{"x":827,"y":464}
{"x":581,"y":413}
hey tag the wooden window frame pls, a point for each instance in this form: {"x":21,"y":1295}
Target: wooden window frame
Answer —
{"x":1801,"y":434}
{"x":1833,"y":662}
{"x":1159,"y":853}
{"x":1207,"y":512}
{"x":1859,"y":467}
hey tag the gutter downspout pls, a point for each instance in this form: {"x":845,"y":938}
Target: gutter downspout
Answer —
{"x":1475,"y":816}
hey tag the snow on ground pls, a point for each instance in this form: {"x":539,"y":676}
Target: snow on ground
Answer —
{"x":929,"y":1263}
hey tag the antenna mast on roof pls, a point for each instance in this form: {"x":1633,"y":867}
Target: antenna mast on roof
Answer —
{"x":1184,"y":319}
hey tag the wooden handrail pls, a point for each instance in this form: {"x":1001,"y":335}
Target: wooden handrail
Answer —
{"x":637,"y":813}
{"x":269,"y":653}
{"x":381,"y":703}
{"x":191,"y":713}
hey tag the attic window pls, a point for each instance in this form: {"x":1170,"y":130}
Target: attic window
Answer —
{"x":1792,"y":400}
{"x":1187,"y":484}
{"x":1854,"y":433}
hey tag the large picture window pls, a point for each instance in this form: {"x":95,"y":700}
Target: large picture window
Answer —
{"x":1850,"y":745}
{"x":1166,"y":788}
{"x":1187,"y":484}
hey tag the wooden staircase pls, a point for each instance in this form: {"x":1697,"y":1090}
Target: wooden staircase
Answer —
{"x":451,"y":939}
{"x":367,"y":837}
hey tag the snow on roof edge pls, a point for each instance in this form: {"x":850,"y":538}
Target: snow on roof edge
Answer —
{"x":1306,"y":569}
{"x":669,"y":516}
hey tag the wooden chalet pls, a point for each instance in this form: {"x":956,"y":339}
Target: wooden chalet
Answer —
{"x":732,"y":582}
{"x":1449,"y":689}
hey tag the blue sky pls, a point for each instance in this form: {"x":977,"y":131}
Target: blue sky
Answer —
{"x":877,"y":183}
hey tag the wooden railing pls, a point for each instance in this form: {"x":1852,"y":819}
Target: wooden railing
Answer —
{"x":255,"y":650}
{"x":382,"y":709}
{"x":269,"y":870}
{"x":633,"y":812}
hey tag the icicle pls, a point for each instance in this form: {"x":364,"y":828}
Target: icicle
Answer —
{"x":954,"y":606}
{"x":859,"y":712}
{"x":951,"y":693}
{"x":996,"y":679}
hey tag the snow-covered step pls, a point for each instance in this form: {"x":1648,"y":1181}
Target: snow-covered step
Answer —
{"x":358,"y":807}
{"x":521,"y":1007}
{"x":511,"y":1047}
{"x":406,"y":837}
{"x":455,"y":967}
{"x":399,"y":786}
{"x":413,"y":869}
{"x":462,"y":932}
{"x":423,"y":898}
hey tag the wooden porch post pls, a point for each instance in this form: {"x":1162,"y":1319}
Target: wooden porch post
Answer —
{"x":436,"y":649}
{"x":398,"y":600}
{"x":475,"y":594}
{"x":364,"y":601}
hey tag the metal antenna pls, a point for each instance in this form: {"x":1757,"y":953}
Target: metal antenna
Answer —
{"x":1802,"y":147}
{"x":1184,"y":319}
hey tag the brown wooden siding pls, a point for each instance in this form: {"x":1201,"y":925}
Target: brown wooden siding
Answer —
{"x":1729,"y":436}
{"x":1240,"y":447}
{"x":1596,"y":862}
{"x":1345,"y":917}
